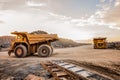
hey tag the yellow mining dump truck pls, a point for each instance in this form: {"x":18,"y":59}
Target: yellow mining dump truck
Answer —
{"x":27,"y":44}
{"x":100,"y":43}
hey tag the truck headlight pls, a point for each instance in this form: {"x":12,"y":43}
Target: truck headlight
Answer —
{"x":18,"y":37}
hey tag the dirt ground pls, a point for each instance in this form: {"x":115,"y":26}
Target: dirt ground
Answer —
{"x":103,"y":61}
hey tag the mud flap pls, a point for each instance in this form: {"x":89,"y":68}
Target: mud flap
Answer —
{"x":9,"y":52}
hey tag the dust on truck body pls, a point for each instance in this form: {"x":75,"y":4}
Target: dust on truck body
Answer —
{"x":27,"y":44}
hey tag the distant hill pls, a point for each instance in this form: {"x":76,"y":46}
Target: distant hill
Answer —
{"x":62,"y":43}
{"x":5,"y":41}
{"x":89,"y":41}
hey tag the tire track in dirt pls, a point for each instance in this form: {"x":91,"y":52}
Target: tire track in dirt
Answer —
{"x":101,"y":69}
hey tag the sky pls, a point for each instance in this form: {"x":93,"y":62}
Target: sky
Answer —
{"x":72,"y":19}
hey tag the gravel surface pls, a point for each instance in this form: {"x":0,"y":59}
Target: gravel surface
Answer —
{"x":103,"y":61}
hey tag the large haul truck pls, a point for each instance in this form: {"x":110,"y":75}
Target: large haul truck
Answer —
{"x":100,"y":43}
{"x":27,"y":44}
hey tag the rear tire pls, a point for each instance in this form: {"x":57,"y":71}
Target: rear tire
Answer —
{"x":20,"y":51}
{"x":44,"y":50}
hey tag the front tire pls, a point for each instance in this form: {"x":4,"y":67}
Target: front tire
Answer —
{"x":44,"y":50}
{"x":20,"y":51}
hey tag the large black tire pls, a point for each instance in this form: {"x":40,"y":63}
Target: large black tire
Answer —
{"x":20,"y":51}
{"x":44,"y":50}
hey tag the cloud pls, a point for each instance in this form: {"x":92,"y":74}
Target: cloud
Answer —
{"x":117,"y":3}
{"x":48,"y":21}
{"x":93,"y":26}
{"x":109,"y":14}
{"x":113,"y":15}
{"x":21,"y":5}
{"x":93,"y":20}
{"x":12,"y":4}
{"x":1,"y":21}
{"x":61,"y":17}
{"x":33,"y":4}
{"x":102,"y":0}
{"x":28,"y":15}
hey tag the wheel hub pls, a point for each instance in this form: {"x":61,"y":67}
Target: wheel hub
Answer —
{"x":44,"y":51}
{"x":19,"y":51}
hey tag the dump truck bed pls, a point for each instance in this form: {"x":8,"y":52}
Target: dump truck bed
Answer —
{"x":36,"y":38}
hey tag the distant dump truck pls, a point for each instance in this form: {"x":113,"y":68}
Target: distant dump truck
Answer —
{"x":100,"y":43}
{"x":27,"y":44}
